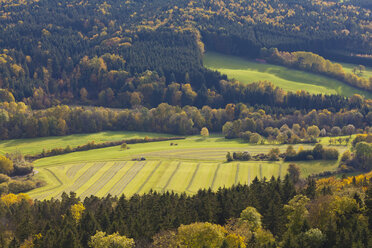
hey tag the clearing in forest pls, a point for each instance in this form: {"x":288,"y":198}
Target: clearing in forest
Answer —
{"x":249,"y":71}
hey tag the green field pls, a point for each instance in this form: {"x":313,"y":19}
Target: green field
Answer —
{"x":349,"y":68}
{"x":35,"y":146}
{"x":248,"y":71}
{"x":193,"y":164}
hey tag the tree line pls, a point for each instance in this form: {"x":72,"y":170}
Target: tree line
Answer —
{"x":312,"y":62}
{"x":267,"y":213}
{"x":18,"y":120}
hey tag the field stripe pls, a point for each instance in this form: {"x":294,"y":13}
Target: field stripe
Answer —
{"x":249,"y":175}
{"x":280,"y":171}
{"x":148,"y":178}
{"x":215,"y":175}
{"x":193,"y":177}
{"x":237,"y":174}
{"x":47,"y":192}
{"x":260,"y":171}
{"x":170,"y":178}
{"x":83,"y":178}
{"x":105,"y":178}
{"x":71,"y":172}
{"x":120,"y":186}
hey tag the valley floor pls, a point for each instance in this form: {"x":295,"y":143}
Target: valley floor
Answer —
{"x":194,"y":163}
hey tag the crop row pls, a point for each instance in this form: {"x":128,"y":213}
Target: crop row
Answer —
{"x":114,"y":177}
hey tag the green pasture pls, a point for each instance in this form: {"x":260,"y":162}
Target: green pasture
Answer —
{"x":349,"y":68}
{"x":195,"y":163}
{"x":36,"y":145}
{"x":249,"y":71}
{"x":193,"y":148}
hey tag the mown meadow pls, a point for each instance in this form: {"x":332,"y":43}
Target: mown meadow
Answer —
{"x":186,"y":166}
{"x":248,"y":71}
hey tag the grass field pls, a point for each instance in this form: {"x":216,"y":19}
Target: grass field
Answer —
{"x":248,"y":71}
{"x":35,"y":146}
{"x":349,"y":68}
{"x":193,"y":164}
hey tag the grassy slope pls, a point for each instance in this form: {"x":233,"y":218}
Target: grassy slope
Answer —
{"x":194,"y":148}
{"x":34,"y":146}
{"x":195,"y":163}
{"x":349,"y":68}
{"x":248,"y":71}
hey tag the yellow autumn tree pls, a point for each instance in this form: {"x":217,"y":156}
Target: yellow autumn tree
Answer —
{"x":204,"y":132}
{"x":77,"y":211}
{"x":11,"y":199}
{"x":6,"y":165}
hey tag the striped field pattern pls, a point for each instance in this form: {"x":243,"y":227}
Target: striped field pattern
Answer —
{"x":192,"y":164}
{"x":138,"y":177}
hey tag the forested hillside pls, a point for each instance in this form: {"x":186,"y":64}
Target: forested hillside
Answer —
{"x":75,"y":50}
{"x":74,"y":67}
{"x":324,"y":213}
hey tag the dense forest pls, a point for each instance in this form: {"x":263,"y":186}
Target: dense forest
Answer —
{"x":284,"y":213}
{"x":85,"y":66}
{"x":73,"y":49}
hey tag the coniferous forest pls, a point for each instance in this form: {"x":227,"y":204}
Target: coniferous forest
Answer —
{"x":81,"y":67}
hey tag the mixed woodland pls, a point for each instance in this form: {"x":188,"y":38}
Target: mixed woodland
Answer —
{"x":86,"y":66}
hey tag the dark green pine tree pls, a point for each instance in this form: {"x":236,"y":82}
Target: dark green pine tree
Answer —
{"x":70,"y":239}
{"x":289,"y":190}
{"x":103,"y":217}
{"x":49,"y":238}
{"x":24,"y":221}
{"x":273,"y":217}
{"x":88,"y":227}
{"x":311,"y":188}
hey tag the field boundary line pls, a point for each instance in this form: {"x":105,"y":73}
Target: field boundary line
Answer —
{"x":148,"y":178}
{"x":249,"y":175}
{"x":170,"y":178}
{"x":193,"y":177}
{"x":47,"y":192}
{"x":74,"y":169}
{"x":105,"y":178}
{"x":215,"y":176}
{"x":80,"y":180}
{"x":260,"y":171}
{"x":237,"y":174}
{"x":118,"y":188}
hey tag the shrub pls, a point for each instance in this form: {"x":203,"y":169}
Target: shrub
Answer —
{"x":255,"y":138}
{"x":204,"y":132}
{"x":4,"y":188}
{"x":20,"y":170}
{"x":291,"y":152}
{"x":246,"y":135}
{"x":20,"y":186}
{"x":6,"y":165}
{"x":243,"y":156}
{"x":330,"y":154}
{"x":336,"y":131}
{"x":346,"y":156}
{"x":4,"y":178}
{"x":274,"y":154}
{"x":228,"y":157}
